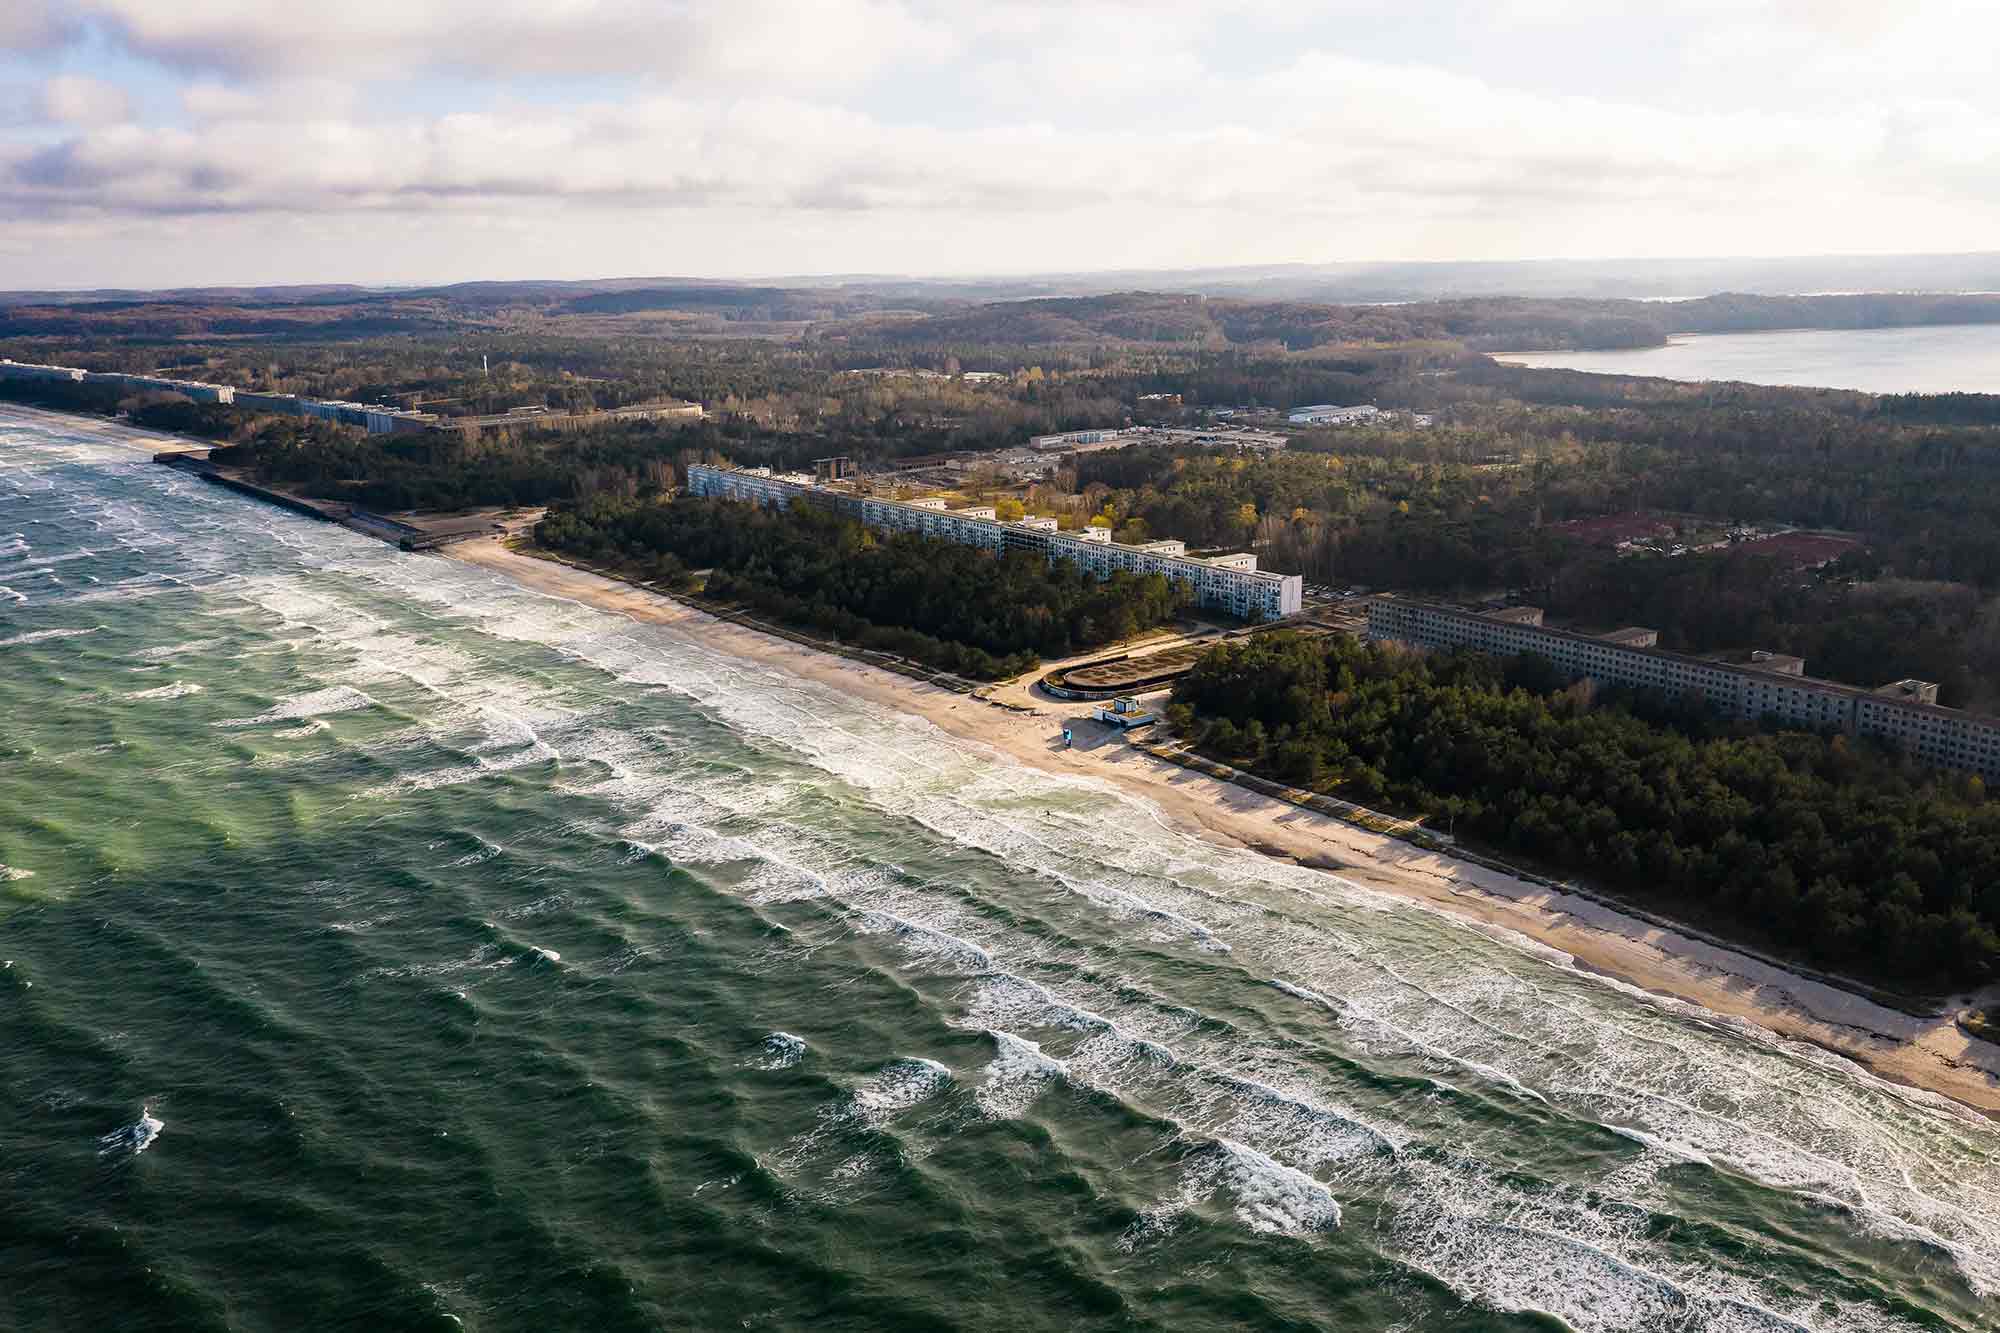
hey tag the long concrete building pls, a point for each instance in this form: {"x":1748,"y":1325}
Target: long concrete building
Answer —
{"x":1905,"y":712}
{"x":375,"y":418}
{"x":27,"y":370}
{"x":1230,"y":583}
{"x":199,"y":390}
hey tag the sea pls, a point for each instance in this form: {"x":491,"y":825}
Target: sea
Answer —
{"x":1948,"y":358}
{"x":385,"y":945}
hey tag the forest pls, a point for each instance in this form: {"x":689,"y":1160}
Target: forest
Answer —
{"x":1822,"y":848}
{"x":949,"y":606}
{"x":1477,"y":505}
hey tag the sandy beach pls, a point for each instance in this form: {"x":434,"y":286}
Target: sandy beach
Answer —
{"x":1932,"y":1053}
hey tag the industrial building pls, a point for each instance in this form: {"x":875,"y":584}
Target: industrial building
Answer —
{"x":1767,"y":685}
{"x":1327,"y":414}
{"x":1095,"y":441}
{"x":1230,"y":583}
{"x":1085,"y":441}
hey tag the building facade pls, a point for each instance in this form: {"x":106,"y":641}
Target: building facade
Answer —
{"x":1904,"y":712}
{"x":1228,"y":583}
{"x":1327,"y":414}
{"x":195,"y":389}
{"x":23,"y":370}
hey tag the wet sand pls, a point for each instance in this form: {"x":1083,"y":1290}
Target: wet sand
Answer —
{"x":1932,"y":1053}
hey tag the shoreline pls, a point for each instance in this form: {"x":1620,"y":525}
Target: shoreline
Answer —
{"x":1931,"y":1052}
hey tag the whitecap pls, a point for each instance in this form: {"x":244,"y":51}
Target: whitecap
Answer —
{"x":43,"y":635}
{"x":486,"y":851}
{"x":1658,"y":1144}
{"x":781,"y":1051}
{"x":928,"y":941}
{"x":1018,"y":1074}
{"x":313,"y":703}
{"x":900,"y":1085}
{"x":179,"y":689}
{"x":1266,"y":1195}
{"x":1303,"y":993}
{"x":134,"y":1138}
{"x":165,"y":651}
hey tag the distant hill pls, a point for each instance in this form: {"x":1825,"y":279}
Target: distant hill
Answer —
{"x":1331,"y":283}
{"x":1493,"y":324}
{"x":901,"y":315}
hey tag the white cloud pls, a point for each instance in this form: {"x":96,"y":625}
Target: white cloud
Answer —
{"x":1173,"y":131}
{"x":33,"y":25}
{"x":76,"y":99}
{"x":285,"y":100}
{"x":762,"y":43}
{"x":1339,"y":132}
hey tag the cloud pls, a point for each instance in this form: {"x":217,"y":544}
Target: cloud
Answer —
{"x":1324,"y":136}
{"x":1180,"y":131}
{"x":34,"y":26}
{"x":284,"y":100}
{"x":764,"y":42}
{"x":76,"y":99}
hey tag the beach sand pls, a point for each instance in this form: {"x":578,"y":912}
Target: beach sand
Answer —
{"x":1932,"y":1053}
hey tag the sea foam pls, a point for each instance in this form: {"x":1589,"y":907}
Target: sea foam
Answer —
{"x":179,"y":689}
{"x":44,"y":635}
{"x":781,"y":1050}
{"x":133,"y":1139}
{"x":1017,"y":1076}
{"x":898,"y":1086}
{"x":313,"y":703}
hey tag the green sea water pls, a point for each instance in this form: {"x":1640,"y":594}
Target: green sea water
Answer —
{"x":388,"y":946}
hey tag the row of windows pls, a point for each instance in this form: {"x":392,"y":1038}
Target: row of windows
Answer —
{"x":1238,"y":590}
{"x":1963,"y":741}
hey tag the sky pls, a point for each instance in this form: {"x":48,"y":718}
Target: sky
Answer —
{"x":166,"y":143}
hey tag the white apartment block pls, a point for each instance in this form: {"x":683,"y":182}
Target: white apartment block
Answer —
{"x":195,"y":389}
{"x":1228,"y":583}
{"x":1904,"y":712}
{"x":24,"y":370}
{"x":375,"y":418}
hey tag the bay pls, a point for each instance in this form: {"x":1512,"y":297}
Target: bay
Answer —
{"x":1953,"y":358}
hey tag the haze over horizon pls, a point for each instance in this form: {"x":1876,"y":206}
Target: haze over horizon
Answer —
{"x":226,"y":142}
